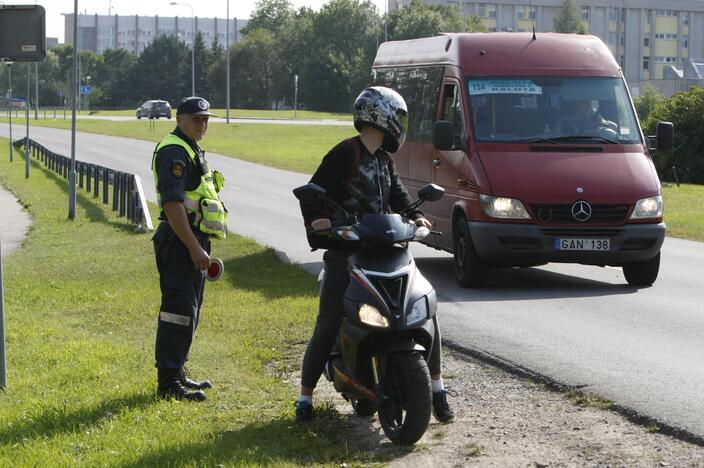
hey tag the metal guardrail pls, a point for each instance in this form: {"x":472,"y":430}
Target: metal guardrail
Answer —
{"x":127,"y":193}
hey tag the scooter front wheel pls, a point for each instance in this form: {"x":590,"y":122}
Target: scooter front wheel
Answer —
{"x":364,"y":407}
{"x":405,"y":409}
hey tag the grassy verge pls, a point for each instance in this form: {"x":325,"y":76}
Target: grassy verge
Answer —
{"x":80,"y":303}
{"x":293,"y":147}
{"x":684,"y":213}
{"x":234,"y":114}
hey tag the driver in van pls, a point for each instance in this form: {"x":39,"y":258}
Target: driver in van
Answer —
{"x":359,"y":174}
{"x":589,"y":120}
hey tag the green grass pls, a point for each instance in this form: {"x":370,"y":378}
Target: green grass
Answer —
{"x":234,"y":113}
{"x":684,"y":211}
{"x":294,"y":147}
{"x":81,"y":300}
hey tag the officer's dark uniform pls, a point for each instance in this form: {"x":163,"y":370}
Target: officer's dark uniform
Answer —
{"x":181,"y":283}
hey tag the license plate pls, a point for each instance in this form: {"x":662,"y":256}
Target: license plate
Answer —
{"x":582,"y":244}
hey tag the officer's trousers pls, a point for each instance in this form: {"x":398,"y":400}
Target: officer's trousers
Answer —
{"x":181,"y":296}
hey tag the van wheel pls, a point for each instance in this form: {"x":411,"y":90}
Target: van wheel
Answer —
{"x":471,"y":270}
{"x":642,"y":273}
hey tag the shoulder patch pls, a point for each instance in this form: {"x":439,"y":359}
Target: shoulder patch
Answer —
{"x":177,"y":168}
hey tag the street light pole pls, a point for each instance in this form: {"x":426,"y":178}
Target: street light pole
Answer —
{"x":26,"y":109}
{"x":72,"y":170}
{"x":227,"y":68}
{"x":193,"y":46}
{"x":9,"y":102}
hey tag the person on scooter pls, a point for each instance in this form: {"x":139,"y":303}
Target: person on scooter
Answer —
{"x":359,"y":174}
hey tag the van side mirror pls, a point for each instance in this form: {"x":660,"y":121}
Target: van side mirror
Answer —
{"x":664,"y":137}
{"x":445,"y":136}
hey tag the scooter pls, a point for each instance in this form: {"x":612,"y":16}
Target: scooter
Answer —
{"x":379,"y":362}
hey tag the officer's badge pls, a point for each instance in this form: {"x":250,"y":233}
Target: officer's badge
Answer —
{"x":177,"y":168}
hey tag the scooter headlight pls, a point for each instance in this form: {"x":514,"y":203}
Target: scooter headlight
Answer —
{"x":370,"y":315}
{"x":418,"y":313}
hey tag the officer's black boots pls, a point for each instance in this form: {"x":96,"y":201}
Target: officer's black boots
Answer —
{"x":193,"y":384}
{"x":170,"y":386}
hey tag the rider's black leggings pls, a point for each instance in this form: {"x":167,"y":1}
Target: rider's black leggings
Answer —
{"x":330,"y":315}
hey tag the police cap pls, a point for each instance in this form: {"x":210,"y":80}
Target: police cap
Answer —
{"x":194,"y":105}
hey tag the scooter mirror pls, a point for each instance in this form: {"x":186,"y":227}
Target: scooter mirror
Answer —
{"x":431,"y":192}
{"x":308,"y":189}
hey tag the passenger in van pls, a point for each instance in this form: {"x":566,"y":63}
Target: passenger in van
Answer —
{"x":359,"y":174}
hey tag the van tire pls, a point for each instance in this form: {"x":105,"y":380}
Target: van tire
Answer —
{"x":470,"y":270}
{"x":642,"y":273}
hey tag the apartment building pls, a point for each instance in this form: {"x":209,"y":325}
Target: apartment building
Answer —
{"x":134,"y":32}
{"x":656,"y":42}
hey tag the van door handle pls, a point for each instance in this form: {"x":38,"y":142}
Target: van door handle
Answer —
{"x":436,"y":162}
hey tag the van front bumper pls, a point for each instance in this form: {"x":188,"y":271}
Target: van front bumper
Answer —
{"x":526,"y":244}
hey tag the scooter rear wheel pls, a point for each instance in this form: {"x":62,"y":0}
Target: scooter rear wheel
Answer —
{"x":405,"y":410}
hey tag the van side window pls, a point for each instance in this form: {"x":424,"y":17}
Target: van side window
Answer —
{"x":420,"y":87}
{"x":452,"y":107}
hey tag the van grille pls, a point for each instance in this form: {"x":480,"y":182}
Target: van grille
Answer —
{"x":562,"y":214}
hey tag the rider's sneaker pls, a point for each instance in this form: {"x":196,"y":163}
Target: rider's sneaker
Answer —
{"x":304,"y":411}
{"x":441,"y":408}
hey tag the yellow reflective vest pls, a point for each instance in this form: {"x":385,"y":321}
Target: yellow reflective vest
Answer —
{"x":209,"y":213}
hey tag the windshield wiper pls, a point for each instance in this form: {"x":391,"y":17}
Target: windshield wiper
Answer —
{"x":568,"y":138}
{"x":537,"y":140}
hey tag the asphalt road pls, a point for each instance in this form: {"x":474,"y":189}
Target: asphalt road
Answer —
{"x":579,"y":325}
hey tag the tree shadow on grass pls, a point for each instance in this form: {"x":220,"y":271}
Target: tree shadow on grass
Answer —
{"x":56,"y":420}
{"x":85,"y":200}
{"x":263,"y":272}
{"x":329,"y":439}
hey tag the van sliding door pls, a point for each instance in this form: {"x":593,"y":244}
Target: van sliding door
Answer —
{"x":447,"y":164}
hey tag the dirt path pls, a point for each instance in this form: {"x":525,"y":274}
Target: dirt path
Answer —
{"x":506,"y":421}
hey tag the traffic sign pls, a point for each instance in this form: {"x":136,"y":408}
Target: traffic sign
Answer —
{"x":86,"y":89}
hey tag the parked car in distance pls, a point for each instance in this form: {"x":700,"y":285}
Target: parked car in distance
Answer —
{"x":154,"y":109}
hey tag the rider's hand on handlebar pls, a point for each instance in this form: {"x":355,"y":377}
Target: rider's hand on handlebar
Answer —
{"x":423,"y":222}
{"x":321,"y":224}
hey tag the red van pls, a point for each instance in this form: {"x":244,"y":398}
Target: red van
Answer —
{"x":537,"y":144}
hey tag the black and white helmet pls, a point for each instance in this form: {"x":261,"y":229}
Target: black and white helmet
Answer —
{"x":384,"y":109}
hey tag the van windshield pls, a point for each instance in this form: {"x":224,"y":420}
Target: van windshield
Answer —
{"x":552,"y":110}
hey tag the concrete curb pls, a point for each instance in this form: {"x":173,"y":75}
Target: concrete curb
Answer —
{"x":15,"y":222}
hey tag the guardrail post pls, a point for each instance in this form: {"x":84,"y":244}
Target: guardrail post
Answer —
{"x":89,"y":176}
{"x":96,"y":186}
{"x":115,"y":190}
{"x":106,"y":178}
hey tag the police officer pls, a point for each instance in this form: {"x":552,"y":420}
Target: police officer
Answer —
{"x":191,"y":214}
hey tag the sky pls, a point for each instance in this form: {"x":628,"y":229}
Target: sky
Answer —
{"x":202,"y":8}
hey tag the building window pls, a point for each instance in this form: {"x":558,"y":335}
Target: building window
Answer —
{"x":685,"y":43}
{"x":646,"y":62}
{"x":492,"y":12}
{"x":612,"y":13}
{"x":521,"y":13}
{"x":532,"y":13}
{"x":666,"y":13}
{"x":667,"y":36}
{"x":646,"y":42}
{"x":623,"y":15}
{"x":585,"y":13}
{"x":648,"y":16}
{"x":685,"y":18}
{"x":482,"y":11}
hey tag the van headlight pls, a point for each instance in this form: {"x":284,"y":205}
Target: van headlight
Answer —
{"x":370,"y":315}
{"x":418,"y":313}
{"x":502,"y":207}
{"x":651,"y":207}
